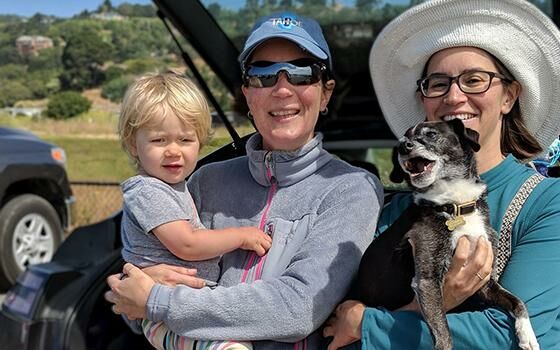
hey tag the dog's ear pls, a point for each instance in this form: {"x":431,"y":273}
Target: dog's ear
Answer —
{"x":466,"y":135}
{"x":472,"y":137}
{"x":397,"y":175}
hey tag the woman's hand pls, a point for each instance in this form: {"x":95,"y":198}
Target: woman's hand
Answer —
{"x":466,"y":275}
{"x":345,"y":325}
{"x":170,"y":275}
{"x":129,"y":292}
{"x":467,"y":272}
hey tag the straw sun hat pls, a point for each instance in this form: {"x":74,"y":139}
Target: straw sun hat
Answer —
{"x":523,"y":38}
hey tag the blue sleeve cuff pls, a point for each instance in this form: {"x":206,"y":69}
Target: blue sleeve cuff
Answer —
{"x":157,"y":306}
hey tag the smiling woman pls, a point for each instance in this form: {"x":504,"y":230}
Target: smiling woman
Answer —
{"x":319,"y":210}
{"x":286,"y":113}
{"x":493,"y":65}
{"x":477,"y":108}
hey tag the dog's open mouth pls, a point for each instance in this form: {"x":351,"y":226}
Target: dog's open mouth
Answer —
{"x":418,"y":166}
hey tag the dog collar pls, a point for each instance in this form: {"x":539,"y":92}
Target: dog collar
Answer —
{"x":455,"y":210}
{"x":451,"y":208}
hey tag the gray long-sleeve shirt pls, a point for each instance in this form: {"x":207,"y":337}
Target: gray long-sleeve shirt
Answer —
{"x":321,"y":213}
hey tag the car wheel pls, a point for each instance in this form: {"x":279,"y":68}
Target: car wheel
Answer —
{"x":30,"y":232}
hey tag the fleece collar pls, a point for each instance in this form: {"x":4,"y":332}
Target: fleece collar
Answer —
{"x":286,"y":168}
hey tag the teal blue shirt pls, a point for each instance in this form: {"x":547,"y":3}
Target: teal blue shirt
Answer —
{"x":533,"y":274}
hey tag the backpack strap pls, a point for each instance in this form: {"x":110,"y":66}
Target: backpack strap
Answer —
{"x":504,"y":244}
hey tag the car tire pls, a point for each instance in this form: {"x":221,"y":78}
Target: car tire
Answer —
{"x":30,"y":232}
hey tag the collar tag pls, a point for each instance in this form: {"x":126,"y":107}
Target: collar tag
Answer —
{"x":457,"y":218}
{"x":454,"y":222}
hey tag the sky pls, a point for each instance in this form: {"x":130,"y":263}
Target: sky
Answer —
{"x":59,"y":8}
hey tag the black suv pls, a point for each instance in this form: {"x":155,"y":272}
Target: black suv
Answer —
{"x":60,"y":305}
{"x":35,"y":202}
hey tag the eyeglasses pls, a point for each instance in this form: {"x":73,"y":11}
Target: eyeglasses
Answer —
{"x":473,"y":82}
{"x":303,"y":71}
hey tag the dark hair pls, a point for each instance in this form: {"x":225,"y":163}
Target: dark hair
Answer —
{"x":516,"y":138}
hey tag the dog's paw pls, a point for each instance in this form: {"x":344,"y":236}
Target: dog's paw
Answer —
{"x":529,"y":345}
{"x":526,"y":335}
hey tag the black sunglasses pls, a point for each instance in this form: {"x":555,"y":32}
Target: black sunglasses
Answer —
{"x":303,"y":71}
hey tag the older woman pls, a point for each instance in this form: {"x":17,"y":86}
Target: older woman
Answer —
{"x":319,"y":210}
{"x":494,"y":65}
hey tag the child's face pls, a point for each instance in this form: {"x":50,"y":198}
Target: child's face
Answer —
{"x":167,"y":149}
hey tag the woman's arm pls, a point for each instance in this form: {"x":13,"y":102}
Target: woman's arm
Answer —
{"x":532,"y":274}
{"x":345,"y":326}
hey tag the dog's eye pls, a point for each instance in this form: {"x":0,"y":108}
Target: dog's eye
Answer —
{"x":431,"y":134}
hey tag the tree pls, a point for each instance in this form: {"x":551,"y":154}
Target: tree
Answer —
{"x":12,"y":91}
{"x":82,"y":58}
{"x":143,"y":65}
{"x":68,"y":104}
{"x":106,"y":6}
{"x":136,"y":10}
{"x":115,"y":89}
{"x":43,"y":82}
{"x":287,"y":3}
{"x":9,"y":54}
{"x":46,"y":59}
{"x":138,"y":38}
{"x":12,"y":72}
{"x":215,"y":9}
{"x":113,"y":72}
{"x":366,"y":4}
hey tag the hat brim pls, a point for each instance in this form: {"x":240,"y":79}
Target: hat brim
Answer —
{"x":524,"y":39}
{"x":302,"y":42}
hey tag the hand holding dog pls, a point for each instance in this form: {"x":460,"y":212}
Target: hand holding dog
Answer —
{"x":462,"y":279}
{"x":460,"y":283}
{"x":345,"y":325}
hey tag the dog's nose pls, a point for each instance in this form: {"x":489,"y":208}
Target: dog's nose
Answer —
{"x":406,"y":146}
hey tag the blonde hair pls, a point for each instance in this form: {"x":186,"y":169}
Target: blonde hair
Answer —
{"x":151,"y":95}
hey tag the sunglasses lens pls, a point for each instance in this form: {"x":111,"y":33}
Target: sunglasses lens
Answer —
{"x":261,"y":81}
{"x":265,"y":74}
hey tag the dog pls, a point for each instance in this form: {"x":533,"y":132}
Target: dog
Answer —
{"x":438,"y":160}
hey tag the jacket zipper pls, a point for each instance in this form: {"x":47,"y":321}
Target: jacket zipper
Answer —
{"x":269,"y":165}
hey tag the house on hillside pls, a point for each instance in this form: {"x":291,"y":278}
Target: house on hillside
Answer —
{"x":31,"y":45}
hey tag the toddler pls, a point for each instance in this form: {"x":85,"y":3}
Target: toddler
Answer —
{"x":164,"y":122}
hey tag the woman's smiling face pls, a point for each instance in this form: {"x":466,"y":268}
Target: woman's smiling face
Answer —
{"x":284,"y":114}
{"x":481,"y":112}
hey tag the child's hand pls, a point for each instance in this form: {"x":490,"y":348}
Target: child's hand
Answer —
{"x":255,"y":239}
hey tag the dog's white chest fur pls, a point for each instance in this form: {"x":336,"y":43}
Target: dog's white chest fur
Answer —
{"x":459,"y":191}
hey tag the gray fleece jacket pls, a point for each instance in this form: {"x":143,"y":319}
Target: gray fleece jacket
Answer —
{"x":321,"y":213}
